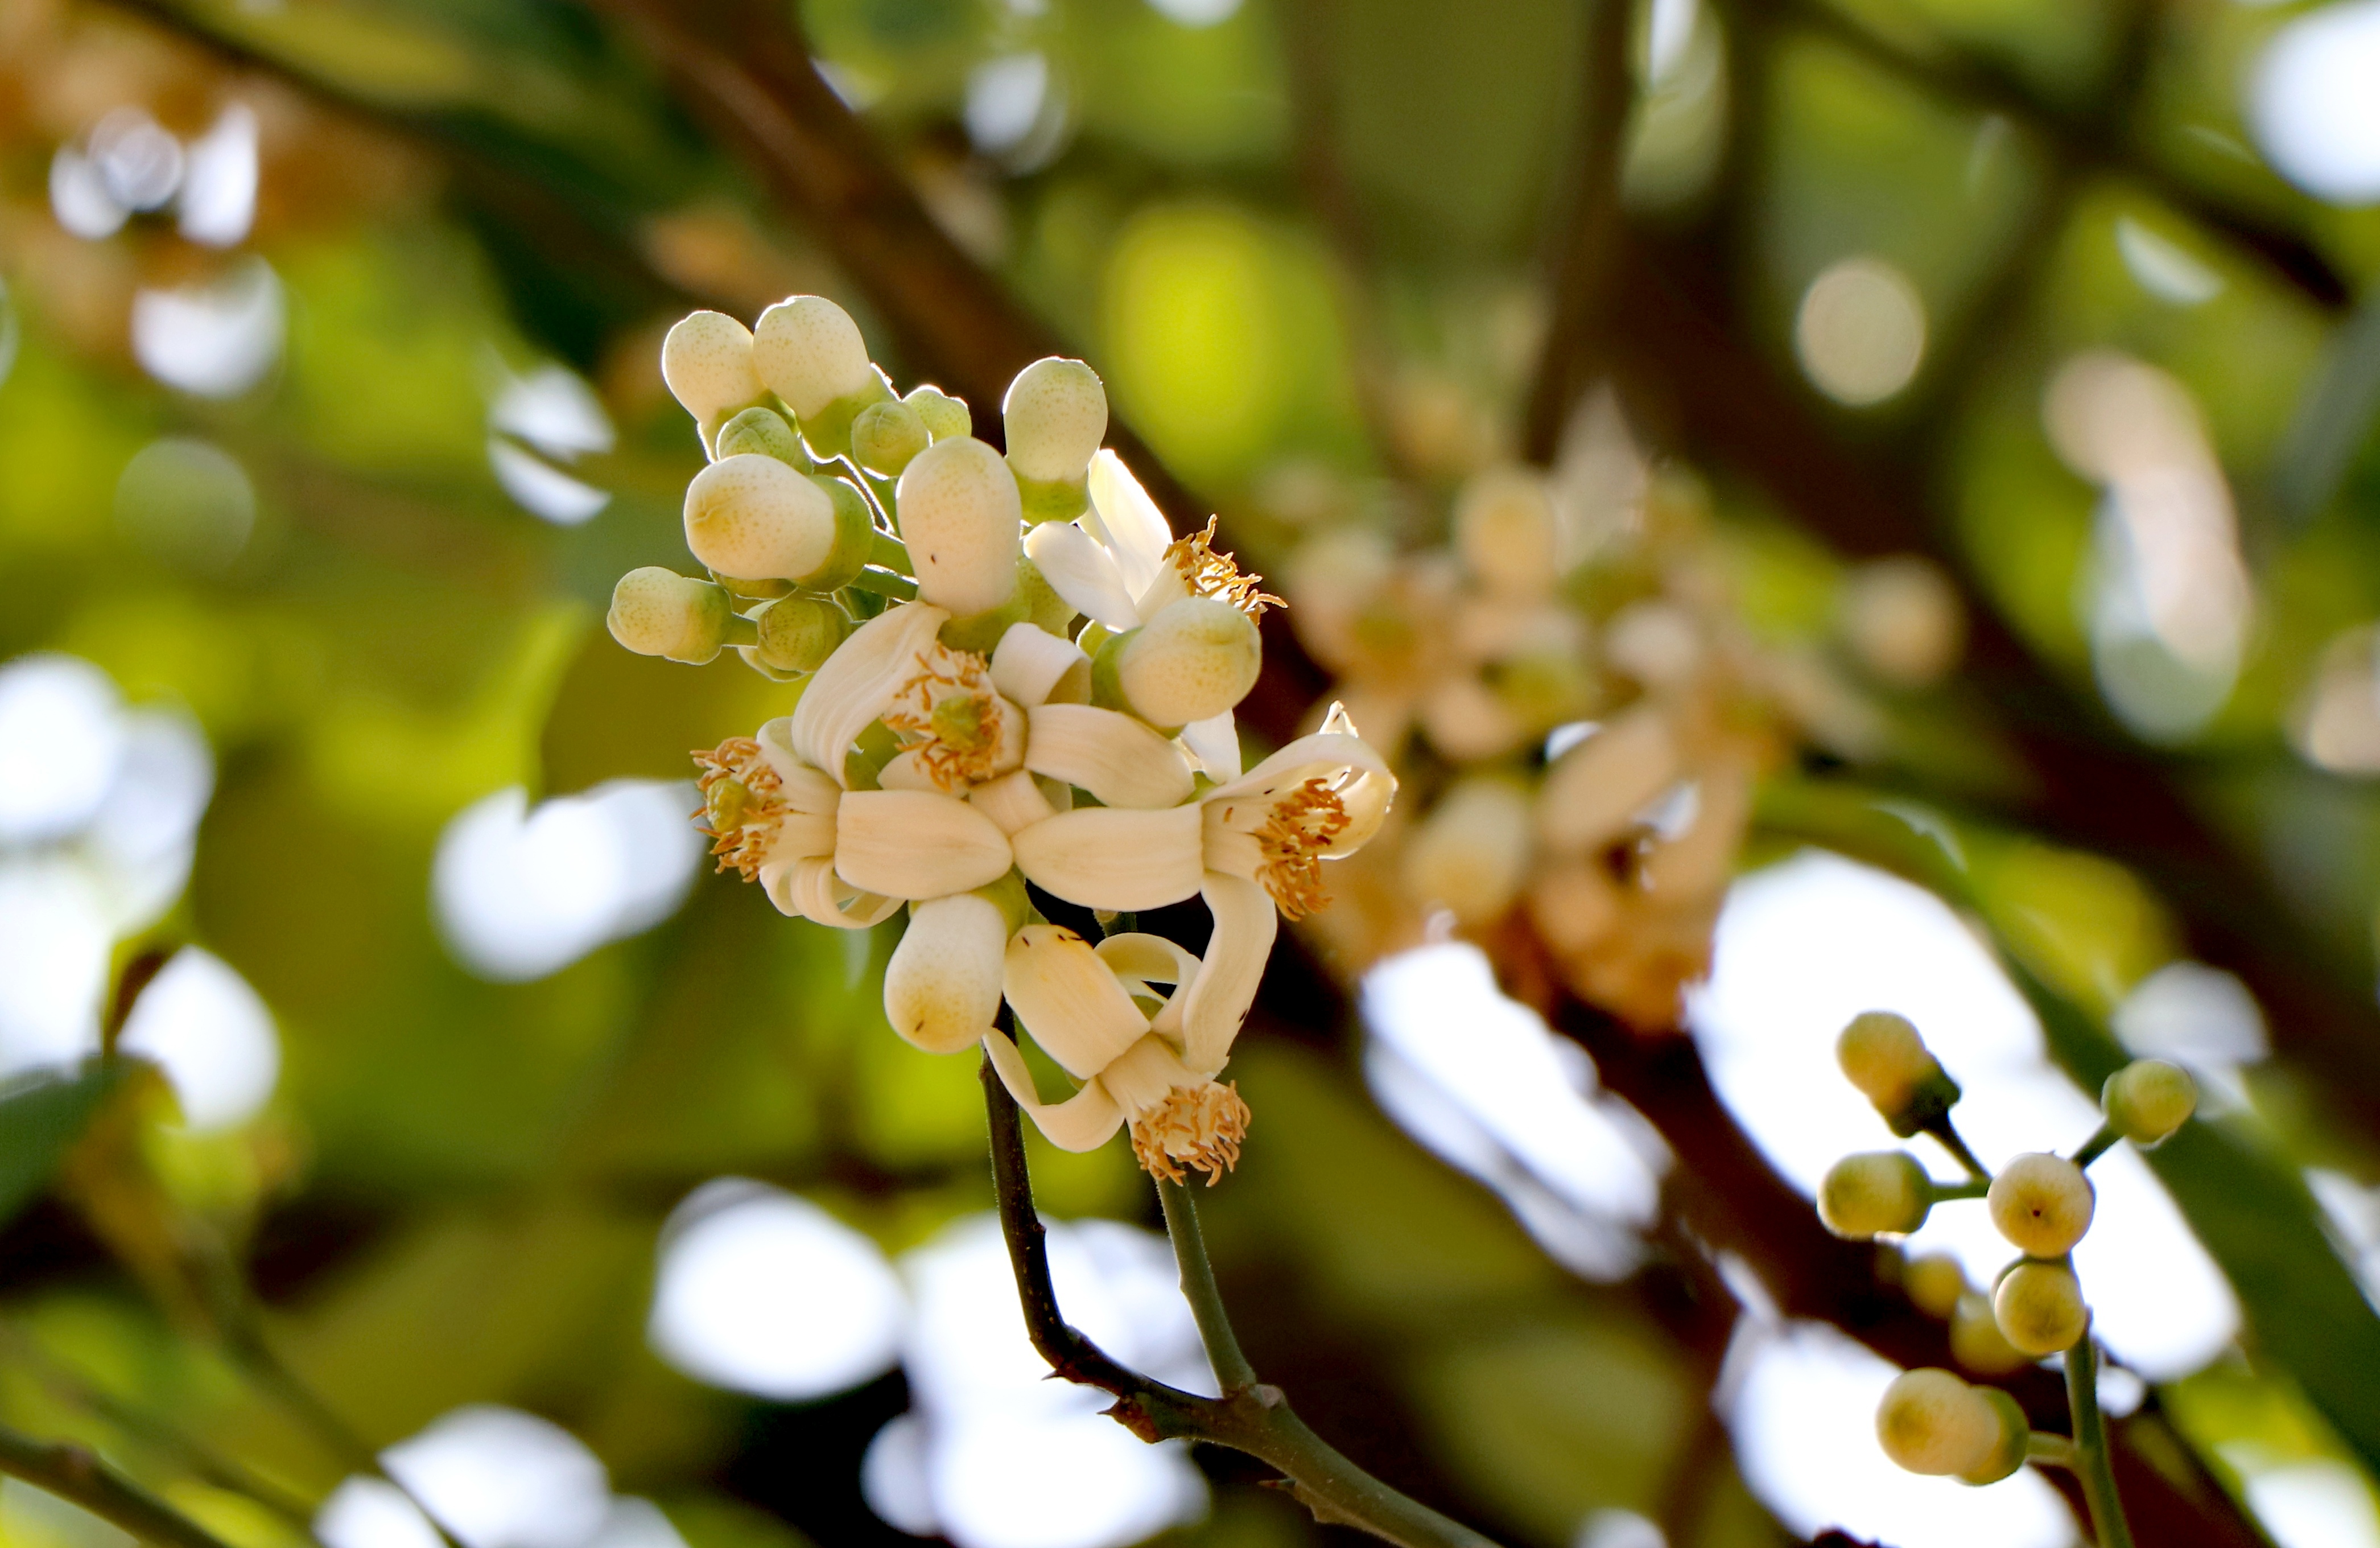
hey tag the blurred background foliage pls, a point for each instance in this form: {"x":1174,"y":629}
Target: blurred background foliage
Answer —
{"x":335,"y":469}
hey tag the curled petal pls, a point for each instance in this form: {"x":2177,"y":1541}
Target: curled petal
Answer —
{"x":1113,"y":756}
{"x":1070,"y":999}
{"x":809,"y":889}
{"x":1014,"y":801}
{"x":1135,"y":529}
{"x":1215,"y":742}
{"x":1145,"y":959}
{"x":1031,"y":662}
{"x":1082,"y":1122}
{"x":1596,"y":788}
{"x":1215,"y":1005}
{"x":913,"y":843}
{"x":1111,"y":858}
{"x":1349,"y":770}
{"x":1080,"y":568}
{"x":942,"y":989}
{"x":803,"y":787}
{"x":858,"y":684}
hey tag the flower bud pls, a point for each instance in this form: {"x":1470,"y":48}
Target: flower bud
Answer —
{"x":809,"y":353}
{"x":1196,"y":659}
{"x":707,"y":361}
{"x":1878,"y":1192}
{"x":1934,"y":1282}
{"x":1044,"y":607}
{"x":1881,"y":1054}
{"x":982,"y":632}
{"x":1902,"y":618}
{"x":1976,"y":1341}
{"x":944,"y":416}
{"x":798,"y":633}
{"x":2039,"y":1308}
{"x":1932,"y":1423}
{"x":754,"y":517}
{"x":942,"y":987}
{"x":656,"y":612}
{"x":2147,"y":1099}
{"x":886,"y":435}
{"x":1055,"y":415}
{"x":961,"y":522}
{"x":1471,"y":854}
{"x":762,"y":433}
{"x":1505,"y":527}
{"x":2015,"y":1442}
{"x":2042,"y":1204}
{"x":855,"y":537}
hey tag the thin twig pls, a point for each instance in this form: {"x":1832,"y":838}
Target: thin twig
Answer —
{"x":2091,"y":1446}
{"x":1231,"y":1366}
{"x":76,"y":1474}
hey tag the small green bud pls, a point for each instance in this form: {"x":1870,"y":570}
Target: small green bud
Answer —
{"x":658,"y":612}
{"x":1880,"y":1192}
{"x":1107,"y":655}
{"x":2007,"y":1453}
{"x":981,"y":632}
{"x":1196,"y":659}
{"x":2039,"y":1308}
{"x":763,"y":433}
{"x":1882,"y":1055}
{"x":1976,"y":1341}
{"x":798,"y":633}
{"x":945,"y":416}
{"x":2042,"y":1204}
{"x":1934,"y":1282}
{"x":886,"y":435}
{"x":2147,"y":1099}
{"x":1049,"y":611}
{"x":1045,"y":500}
{"x":1932,"y":1423}
{"x":855,"y":537}
{"x":1008,"y":895}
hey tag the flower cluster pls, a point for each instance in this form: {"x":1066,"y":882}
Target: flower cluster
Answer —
{"x":1008,"y":671}
{"x":1931,"y":1421}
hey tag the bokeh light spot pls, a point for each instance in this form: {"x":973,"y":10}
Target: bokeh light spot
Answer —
{"x":1860,"y":331}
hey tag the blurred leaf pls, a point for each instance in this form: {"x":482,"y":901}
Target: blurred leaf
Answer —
{"x":40,"y":1121}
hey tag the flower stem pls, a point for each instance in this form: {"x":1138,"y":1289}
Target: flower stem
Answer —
{"x":2090,"y":1460}
{"x":1943,"y":1129}
{"x":1972,"y":1189}
{"x":1250,"y":1416}
{"x":74,"y":1473}
{"x":2099,"y":1144}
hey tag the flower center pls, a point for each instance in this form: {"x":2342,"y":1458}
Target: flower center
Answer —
{"x":953,"y":713}
{"x":1199,"y":1126}
{"x":1299,"y":828}
{"x":1209,"y":574}
{"x":742,"y":803}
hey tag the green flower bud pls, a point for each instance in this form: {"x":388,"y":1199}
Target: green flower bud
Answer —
{"x":1880,"y":1192}
{"x":981,"y":632}
{"x":763,"y":433}
{"x":1050,"y":613}
{"x":808,"y":351}
{"x":855,"y":537}
{"x":2147,"y":1099}
{"x":798,"y":633}
{"x":656,"y":612}
{"x":1055,"y":415}
{"x":2007,"y":1453}
{"x":707,"y":361}
{"x":1881,"y":1054}
{"x":886,"y":435}
{"x":1106,"y":652}
{"x":1196,"y":659}
{"x":1934,"y":1282}
{"x":754,"y":517}
{"x":945,"y":416}
{"x":1932,"y":1423}
{"x":2039,"y":1308}
{"x":962,"y":524}
{"x":1504,"y":528}
{"x":1976,"y":1341}
{"x":2042,"y":1204}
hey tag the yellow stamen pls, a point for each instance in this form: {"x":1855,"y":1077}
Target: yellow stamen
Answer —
{"x":1200,"y":1126}
{"x":953,"y":711}
{"x":1209,"y":574}
{"x":1301,"y":826}
{"x":742,"y":804}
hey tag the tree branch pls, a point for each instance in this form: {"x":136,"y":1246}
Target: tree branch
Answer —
{"x":75,"y":1473}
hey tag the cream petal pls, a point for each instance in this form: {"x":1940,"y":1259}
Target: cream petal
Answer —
{"x":1354,"y":770}
{"x":904,"y":771}
{"x":1031,"y":662}
{"x":1112,"y":857}
{"x":943,"y":986}
{"x":857,"y":683}
{"x":1596,"y":789}
{"x":1215,"y":742}
{"x":1080,"y":568}
{"x":1301,"y":760}
{"x":1070,"y":999}
{"x":1082,"y":1122}
{"x":1145,"y":1074}
{"x":1111,"y":755}
{"x":801,"y":836}
{"x":1215,"y":1005}
{"x":1013,"y":801}
{"x":913,"y":844}
{"x":809,"y":889}
{"x":803,"y":787}
{"x":1137,"y":531}
{"x":1147,"y":959}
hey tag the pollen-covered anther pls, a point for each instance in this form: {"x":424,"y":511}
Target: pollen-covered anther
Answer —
{"x":1209,"y":574}
{"x":954,"y":716}
{"x":1197,"y":1127}
{"x":742,"y":803}
{"x":1299,"y":830}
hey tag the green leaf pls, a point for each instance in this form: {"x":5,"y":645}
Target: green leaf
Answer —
{"x":39,"y":1121}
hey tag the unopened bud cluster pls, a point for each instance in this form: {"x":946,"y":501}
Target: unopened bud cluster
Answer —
{"x":2041,"y":1204}
{"x":1011,"y":672}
